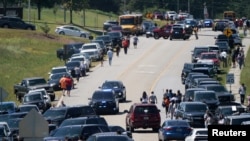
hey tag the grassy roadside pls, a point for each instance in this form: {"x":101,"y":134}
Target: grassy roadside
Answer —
{"x":245,"y":73}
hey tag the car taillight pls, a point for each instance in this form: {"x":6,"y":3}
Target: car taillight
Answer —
{"x":168,"y":128}
{"x":132,"y":117}
{"x":171,"y":31}
{"x":183,"y":31}
{"x":189,"y":129}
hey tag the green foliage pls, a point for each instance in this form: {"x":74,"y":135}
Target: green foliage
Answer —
{"x":45,"y":28}
{"x":245,"y":73}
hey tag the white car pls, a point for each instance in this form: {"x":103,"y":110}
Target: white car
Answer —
{"x":81,"y":58}
{"x":71,"y":30}
{"x":44,"y":93}
{"x":96,"y":46}
{"x":171,"y":15}
{"x":93,"y":53}
{"x":196,"y":134}
{"x":58,"y":69}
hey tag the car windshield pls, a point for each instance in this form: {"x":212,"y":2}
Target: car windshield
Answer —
{"x":89,"y":47}
{"x":58,"y":70}
{"x":72,"y":122}
{"x":195,"y":108}
{"x":177,"y":123}
{"x":111,"y":85}
{"x":34,"y":82}
{"x":198,"y":51}
{"x":14,"y":123}
{"x":55,"y":113}
{"x":35,"y":97}
{"x":68,"y":131}
{"x":205,"y":96}
{"x":77,"y":59}
{"x":208,"y":56}
{"x":28,"y":108}
{"x":73,"y":64}
{"x":217,"y":88}
{"x":146,"y":110}
{"x":56,"y":76}
{"x":202,"y":133}
{"x":103,"y":95}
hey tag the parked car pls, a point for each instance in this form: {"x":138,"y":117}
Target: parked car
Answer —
{"x":116,"y":37}
{"x":117,"y":86}
{"x":174,"y":130}
{"x":223,"y":45}
{"x":71,"y":67}
{"x":150,"y":32}
{"x":115,"y":28}
{"x":102,"y":45}
{"x":75,"y":131}
{"x":93,"y":46}
{"x":171,"y":15}
{"x":8,"y":107}
{"x":208,"y":97}
{"x":117,"y":128}
{"x":15,"y":23}
{"x":189,"y":94}
{"x":237,"y":40}
{"x":214,"y":56}
{"x":208,"y":23}
{"x":58,"y":114}
{"x":54,"y":80}
{"x":44,"y":94}
{"x":146,"y":25}
{"x":106,"y":38}
{"x":58,"y":69}
{"x":196,"y":52}
{"x":193,"y":112}
{"x":28,"y":108}
{"x":37,"y":99}
{"x":83,"y":59}
{"x":72,"y":30}
{"x":163,"y":31}
{"x":84,"y":120}
{"x":108,"y":24}
{"x":198,"y":134}
{"x":104,"y":102}
{"x":236,"y":120}
{"x":71,"y":48}
{"x":143,"y":116}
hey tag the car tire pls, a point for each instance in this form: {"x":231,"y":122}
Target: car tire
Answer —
{"x":5,"y":26}
{"x":156,"y":36}
{"x":170,"y":39}
{"x":165,"y":37}
{"x":131,"y":129}
{"x":61,"y":33}
{"x":147,"y":36}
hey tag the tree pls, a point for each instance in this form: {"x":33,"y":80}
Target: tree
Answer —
{"x":45,"y":28}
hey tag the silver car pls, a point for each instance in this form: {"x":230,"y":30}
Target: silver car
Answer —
{"x":71,"y":30}
{"x":93,"y":53}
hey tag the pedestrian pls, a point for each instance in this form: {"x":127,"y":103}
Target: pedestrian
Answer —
{"x":234,"y":58}
{"x":221,"y":120}
{"x":102,"y":59}
{"x":82,"y":69}
{"x":135,"y":42}
{"x":165,"y":104}
{"x":172,"y":107}
{"x":195,"y":29}
{"x":63,"y":104}
{"x":117,"y":50}
{"x":242,"y":92}
{"x":144,"y":98}
{"x":223,"y":56}
{"x":170,"y":94}
{"x":77,"y":73}
{"x":179,"y":97}
{"x":152,"y":98}
{"x":207,"y":118}
{"x":125,"y":45}
{"x":240,"y":59}
{"x":110,"y":56}
{"x":165,"y":94}
{"x":63,"y":84}
{"x":69,"y":84}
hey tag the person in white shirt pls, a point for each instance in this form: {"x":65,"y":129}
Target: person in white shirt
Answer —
{"x":110,"y":56}
{"x":223,"y":56}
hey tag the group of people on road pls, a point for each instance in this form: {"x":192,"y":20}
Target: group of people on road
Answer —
{"x":152,"y":99}
{"x":125,"y":45}
{"x":238,"y":57}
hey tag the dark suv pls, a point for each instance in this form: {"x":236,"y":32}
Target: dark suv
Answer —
{"x":117,"y":86}
{"x":57,"y":115}
{"x":164,"y":32}
{"x":193,"y":112}
{"x":37,"y":99}
{"x":178,"y":33}
{"x":16,"y":23}
{"x":116,"y":37}
{"x":108,"y":24}
{"x":143,"y":116}
{"x":104,"y":101}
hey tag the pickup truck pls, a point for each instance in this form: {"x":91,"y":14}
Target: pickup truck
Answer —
{"x":163,"y":31}
{"x":32,"y":83}
{"x":16,"y":23}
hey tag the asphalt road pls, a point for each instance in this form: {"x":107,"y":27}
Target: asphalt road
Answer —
{"x":154,"y":66}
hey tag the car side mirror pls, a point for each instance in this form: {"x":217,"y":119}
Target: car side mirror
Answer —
{"x":99,"y":87}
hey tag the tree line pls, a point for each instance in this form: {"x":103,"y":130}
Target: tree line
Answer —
{"x":195,"y":7}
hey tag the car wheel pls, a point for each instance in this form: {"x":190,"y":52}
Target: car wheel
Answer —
{"x":61,"y":33}
{"x":184,"y":38}
{"x":131,"y":129}
{"x":83,"y":35}
{"x":147,"y":36}
{"x":170,"y":38}
{"x":29,"y":28}
{"x":156,"y":36}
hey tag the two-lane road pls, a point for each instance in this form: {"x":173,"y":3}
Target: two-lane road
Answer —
{"x":154,"y":66}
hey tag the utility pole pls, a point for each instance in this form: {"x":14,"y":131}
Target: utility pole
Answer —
{"x":177,"y":10}
{"x":188,"y":6}
{"x":29,"y":11}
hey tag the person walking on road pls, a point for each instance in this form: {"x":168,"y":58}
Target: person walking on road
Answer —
{"x":195,"y":29}
{"x":77,"y":73}
{"x":166,"y":103}
{"x":152,"y":98}
{"x":125,"y":45}
{"x":69,"y":84}
{"x":63,"y":84}
{"x":242,"y":92}
{"x":223,"y":56}
{"x":135,"y":42}
{"x":110,"y":56}
{"x":144,"y":98}
{"x":117,"y":50}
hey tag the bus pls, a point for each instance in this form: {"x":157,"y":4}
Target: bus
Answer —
{"x":131,"y":24}
{"x":229,"y":15}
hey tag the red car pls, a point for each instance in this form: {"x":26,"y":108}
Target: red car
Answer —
{"x":164,"y":32}
{"x":143,"y":116}
{"x":210,"y":56}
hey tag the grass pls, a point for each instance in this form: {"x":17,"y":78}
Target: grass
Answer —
{"x":245,"y":73}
